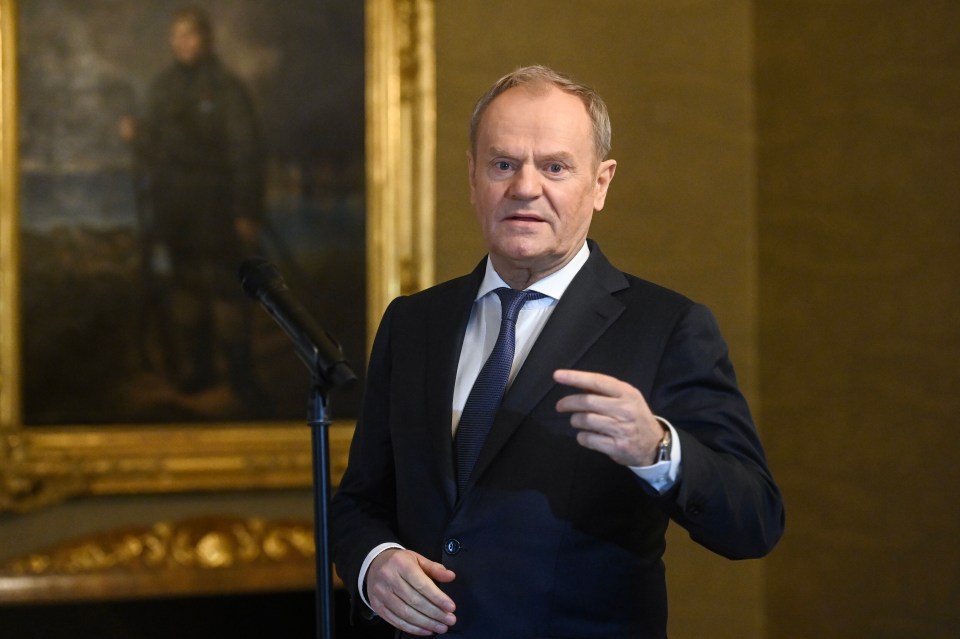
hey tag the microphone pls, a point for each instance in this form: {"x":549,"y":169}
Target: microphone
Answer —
{"x":315,"y":347}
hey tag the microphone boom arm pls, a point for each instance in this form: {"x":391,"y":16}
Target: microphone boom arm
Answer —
{"x":314,"y":346}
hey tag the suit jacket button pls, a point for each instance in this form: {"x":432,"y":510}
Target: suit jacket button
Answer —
{"x":451,"y":546}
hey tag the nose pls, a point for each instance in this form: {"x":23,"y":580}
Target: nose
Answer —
{"x":526,"y":183}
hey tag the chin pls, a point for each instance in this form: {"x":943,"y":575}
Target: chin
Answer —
{"x":518,"y":250}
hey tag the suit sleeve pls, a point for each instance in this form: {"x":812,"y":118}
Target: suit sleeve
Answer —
{"x":725,"y":497}
{"x":363,"y":509}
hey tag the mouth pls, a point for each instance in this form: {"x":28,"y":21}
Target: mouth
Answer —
{"x":520,"y":217}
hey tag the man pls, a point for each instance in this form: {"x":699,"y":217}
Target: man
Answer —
{"x":623,"y":413}
{"x":201,"y":153}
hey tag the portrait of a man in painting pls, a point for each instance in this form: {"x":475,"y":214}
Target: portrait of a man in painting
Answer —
{"x":161,"y":144}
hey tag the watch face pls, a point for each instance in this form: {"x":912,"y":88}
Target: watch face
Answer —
{"x":663,"y":451}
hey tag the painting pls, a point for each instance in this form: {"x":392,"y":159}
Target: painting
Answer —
{"x":151,"y":163}
{"x":148,"y":149}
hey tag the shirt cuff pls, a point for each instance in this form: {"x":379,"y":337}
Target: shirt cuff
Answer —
{"x":365,"y":566}
{"x":662,"y":475}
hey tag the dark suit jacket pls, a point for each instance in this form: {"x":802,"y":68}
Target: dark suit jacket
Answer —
{"x":550,"y":539}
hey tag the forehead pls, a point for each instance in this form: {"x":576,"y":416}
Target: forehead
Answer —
{"x":536,"y":115}
{"x":184,"y":26}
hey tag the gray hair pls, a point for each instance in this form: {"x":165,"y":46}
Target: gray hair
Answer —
{"x":537,"y":76}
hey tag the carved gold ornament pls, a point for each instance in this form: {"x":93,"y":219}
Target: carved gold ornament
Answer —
{"x":203,"y":554}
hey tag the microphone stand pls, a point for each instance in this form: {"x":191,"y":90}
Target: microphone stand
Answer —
{"x":320,"y":442}
{"x":328,"y":369}
{"x":340,"y":374}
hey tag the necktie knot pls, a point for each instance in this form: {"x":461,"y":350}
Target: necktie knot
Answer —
{"x":512,"y":300}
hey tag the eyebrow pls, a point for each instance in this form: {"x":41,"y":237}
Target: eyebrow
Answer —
{"x":558,"y":156}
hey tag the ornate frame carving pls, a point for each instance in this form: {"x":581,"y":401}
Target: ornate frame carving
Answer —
{"x":44,"y":465}
{"x":211,"y":554}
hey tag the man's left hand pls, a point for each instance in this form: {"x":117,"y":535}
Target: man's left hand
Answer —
{"x":612,"y":416}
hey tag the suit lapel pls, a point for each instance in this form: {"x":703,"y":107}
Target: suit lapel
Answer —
{"x":584,"y":313}
{"x":446,"y":325}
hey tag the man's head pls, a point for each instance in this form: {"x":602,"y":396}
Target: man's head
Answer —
{"x":191,"y":37}
{"x":537,"y":171}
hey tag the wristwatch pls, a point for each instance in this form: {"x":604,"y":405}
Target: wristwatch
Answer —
{"x":663,"y":449}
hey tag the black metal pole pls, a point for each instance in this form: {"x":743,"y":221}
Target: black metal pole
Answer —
{"x":329,"y":369}
{"x":320,"y":439}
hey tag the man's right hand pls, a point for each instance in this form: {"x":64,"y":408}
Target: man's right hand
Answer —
{"x":401,"y":589}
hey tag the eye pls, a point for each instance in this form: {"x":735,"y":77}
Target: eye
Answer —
{"x":502,"y":165}
{"x":555,"y":168}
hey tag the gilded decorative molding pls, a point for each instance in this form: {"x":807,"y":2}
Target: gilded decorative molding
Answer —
{"x":204,"y":544}
{"x":168,"y":558}
{"x":21,"y":489}
{"x":401,"y":143}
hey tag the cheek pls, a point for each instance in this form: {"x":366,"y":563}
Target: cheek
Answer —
{"x":577,"y":215}
{"x":483,"y":210}
{"x":484,"y":198}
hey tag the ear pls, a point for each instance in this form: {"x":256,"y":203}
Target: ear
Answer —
{"x":470,"y":175}
{"x":604,"y":177}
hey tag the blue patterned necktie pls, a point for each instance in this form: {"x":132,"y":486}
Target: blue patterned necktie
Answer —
{"x":487,"y":391}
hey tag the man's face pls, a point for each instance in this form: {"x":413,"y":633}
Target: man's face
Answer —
{"x":535,"y":180}
{"x":186,"y":42}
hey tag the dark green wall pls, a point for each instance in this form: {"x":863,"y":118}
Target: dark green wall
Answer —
{"x":859,"y":235}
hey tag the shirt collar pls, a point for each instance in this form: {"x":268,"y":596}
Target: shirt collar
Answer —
{"x":552,"y":285}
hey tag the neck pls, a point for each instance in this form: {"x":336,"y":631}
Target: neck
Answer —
{"x":522,"y":276}
{"x":521,"y":279}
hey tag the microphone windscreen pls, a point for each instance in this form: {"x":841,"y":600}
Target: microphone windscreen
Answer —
{"x":256,"y":274}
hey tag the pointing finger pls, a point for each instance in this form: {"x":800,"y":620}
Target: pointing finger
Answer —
{"x":590,"y":382}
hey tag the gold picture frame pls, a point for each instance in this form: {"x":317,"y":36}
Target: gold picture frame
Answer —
{"x":45,"y":465}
